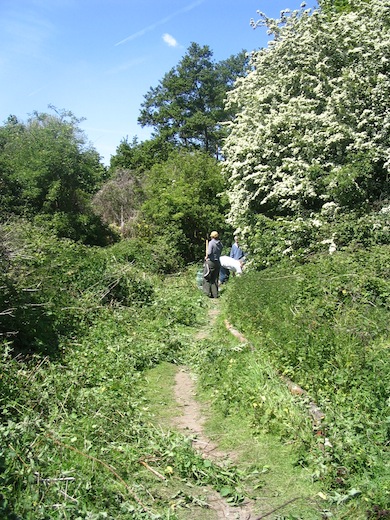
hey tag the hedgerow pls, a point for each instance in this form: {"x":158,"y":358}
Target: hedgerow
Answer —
{"x":324,"y":325}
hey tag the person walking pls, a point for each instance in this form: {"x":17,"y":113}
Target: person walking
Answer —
{"x":214,"y":250}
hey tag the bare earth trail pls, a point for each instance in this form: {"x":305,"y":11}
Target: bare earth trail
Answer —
{"x":191,"y":422}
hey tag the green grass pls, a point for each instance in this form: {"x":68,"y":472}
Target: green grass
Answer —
{"x":236,"y":383}
{"x":325,"y":325}
{"x":81,"y":414}
{"x":266,"y":466}
{"x":275,"y":478}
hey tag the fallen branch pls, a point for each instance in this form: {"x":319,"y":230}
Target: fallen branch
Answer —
{"x":237,"y":334}
{"x":152,"y":470}
{"x":315,"y":412}
{"x":109,"y":468}
{"x":277,"y":508}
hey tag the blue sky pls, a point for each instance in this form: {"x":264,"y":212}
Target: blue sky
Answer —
{"x":98,"y":58}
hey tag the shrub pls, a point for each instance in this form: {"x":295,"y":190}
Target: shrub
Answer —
{"x":127,"y":285}
{"x":324,"y":324}
{"x":271,"y":241}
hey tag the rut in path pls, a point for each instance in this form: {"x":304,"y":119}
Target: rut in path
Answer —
{"x":191,"y":423}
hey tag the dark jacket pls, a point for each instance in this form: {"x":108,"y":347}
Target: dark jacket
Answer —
{"x":214,"y":250}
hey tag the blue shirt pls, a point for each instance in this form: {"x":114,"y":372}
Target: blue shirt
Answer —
{"x":236,"y":252}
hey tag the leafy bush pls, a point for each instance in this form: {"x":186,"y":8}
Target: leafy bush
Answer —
{"x":85,"y":228}
{"x":52,"y":288}
{"x":51,"y":173}
{"x":272,"y":241}
{"x":73,"y":431}
{"x":156,"y":254}
{"x":46,"y":278}
{"x":127,"y":285}
{"x":325,"y":325}
{"x":184,"y":203}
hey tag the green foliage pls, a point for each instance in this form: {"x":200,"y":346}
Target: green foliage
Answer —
{"x":187,"y":107}
{"x":45,"y":279}
{"x":126,"y":286}
{"x":74,"y":418}
{"x":339,"y":6}
{"x":48,"y":170}
{"x":325,"y":325}
{"x":74,"y":432}
{"x":184,"y":203}
{"x":311,"y":125}
{"x":52,"y":288}
{"x":155,"y":254}
{"x":86,"y":228}
{"x":274,"y":240}
{"x":140,"y":157}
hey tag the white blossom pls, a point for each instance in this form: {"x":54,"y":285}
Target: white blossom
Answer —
{"x":332,"y":245}
{"x":315,"y":97}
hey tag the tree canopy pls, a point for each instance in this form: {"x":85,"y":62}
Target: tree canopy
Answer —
{"x":339,"y":6}
{"x":119,"y":200}
{"x":182,"y":202}
{"x":140,"y":156}
{"x":313,"y":120}
{"x":48,"y":170}
{"x":187,"y":107}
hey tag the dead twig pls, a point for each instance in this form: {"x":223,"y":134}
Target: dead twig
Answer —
{"x":49,"y":480}
{"x":8,"y":312}
{"x":277,"y":508}
{"x":68,"y":497}
{"x":37,"y":367}
{"x":152,"y":470}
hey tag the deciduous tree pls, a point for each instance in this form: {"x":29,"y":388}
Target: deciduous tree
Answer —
{"x":119,"y":200}
{"x":139,"y":156}
{"x":49,"y":165}
{"x":187,"y":107}
{"x":183,"y":201}
{"x":313,"y":120}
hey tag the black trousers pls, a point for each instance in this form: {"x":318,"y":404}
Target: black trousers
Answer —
{"x":210,"y":286}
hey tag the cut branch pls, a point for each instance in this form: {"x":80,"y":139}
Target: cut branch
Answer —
{"x":104,"y":464}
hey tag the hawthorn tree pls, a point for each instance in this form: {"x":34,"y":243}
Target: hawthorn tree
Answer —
{"x":187,"y":107}
{"x":312,"y":123}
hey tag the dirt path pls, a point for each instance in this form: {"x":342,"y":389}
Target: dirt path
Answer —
{"x":191,"y":423}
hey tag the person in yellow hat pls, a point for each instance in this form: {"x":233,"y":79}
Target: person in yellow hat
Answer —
{"x":214,"y":250}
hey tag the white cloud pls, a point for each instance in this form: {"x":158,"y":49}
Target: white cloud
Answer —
{"x":169,"y":40}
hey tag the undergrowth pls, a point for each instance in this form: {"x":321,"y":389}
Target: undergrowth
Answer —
{"x":80,"y":327}
{"x":76,"y":439}
{"x":324,"y":325}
